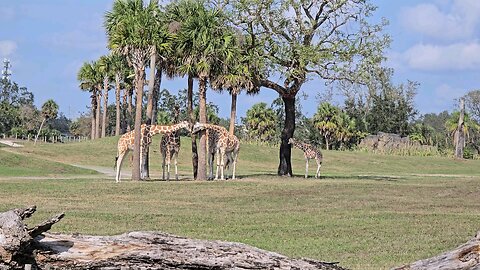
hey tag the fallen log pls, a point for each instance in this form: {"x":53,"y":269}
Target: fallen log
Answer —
{"x":24,"y":248}
{"x":464,"y":257}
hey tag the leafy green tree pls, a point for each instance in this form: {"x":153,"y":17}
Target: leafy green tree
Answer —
{"x":470,"y":125}
{"x":260,"y":122}
{"x":291,"y":41}
{"x":49,"y":111}
{"x":336,"y":126}
{"x":392,"y":109}
{"x":130,"y":33}
{"x":472,"y":104}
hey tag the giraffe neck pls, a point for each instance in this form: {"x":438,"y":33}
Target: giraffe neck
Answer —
{"x":299,"y":145}
{"x":156,"y":129}
{"x":215,"y":128}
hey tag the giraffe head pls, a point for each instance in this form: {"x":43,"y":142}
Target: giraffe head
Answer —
{"x":198,"y":126}
{"x":291,"y":141}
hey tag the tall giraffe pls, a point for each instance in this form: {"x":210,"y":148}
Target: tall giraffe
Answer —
{"x":309,"y":152}
{"x":223,"y":144}
{"x":126,"y":142}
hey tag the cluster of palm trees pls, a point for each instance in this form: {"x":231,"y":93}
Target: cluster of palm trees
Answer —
{"x":185,"y":38}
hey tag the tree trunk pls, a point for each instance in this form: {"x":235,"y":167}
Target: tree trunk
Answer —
{"x":202,"y":93}
{"x":233,"y":114}
{"x":464,"y":257}
{"x":192,"y":121}
{"x":151,"y":87}
{"x":156,"y":94}
{"x":129,"y":109}
{"x":97,"y":115}
{"x":105,"y":106}
{"x":460,"y":132}
{"x":139,"y":81}
{"x":39,"y":130}
{"x":285,"y":166}
{"x":24,"y":248}
{"x":117,"y":104}
{"x":94,"y":108}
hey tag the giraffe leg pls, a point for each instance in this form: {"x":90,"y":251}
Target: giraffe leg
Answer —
{"x":211,"y":159}
{"x":163,"y":164}
{"x":318,"y":169}
{"x":222,"y":165}
{"x":306,"y":167}
{"x":118,"y":166}
{"x":218,"y":163}
{"x":169,"y":159}
{"x":235,"y":156}
{"x":175,"y":162}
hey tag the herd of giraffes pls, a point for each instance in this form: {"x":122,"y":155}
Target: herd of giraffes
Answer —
{"x":220,"y":143}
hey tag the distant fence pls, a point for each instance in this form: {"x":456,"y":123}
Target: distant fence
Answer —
{"x":48,"y":139}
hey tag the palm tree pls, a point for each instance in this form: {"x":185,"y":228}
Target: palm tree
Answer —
{"x":201,"y":45}
{"x":130,"y":32}
{"x":89,"y":78}
{"x":49,"y":111}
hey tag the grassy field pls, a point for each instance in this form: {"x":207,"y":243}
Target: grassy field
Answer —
{"x":367,"y":211}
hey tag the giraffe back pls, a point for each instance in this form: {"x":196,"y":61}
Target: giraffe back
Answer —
{"x":309,"y":151}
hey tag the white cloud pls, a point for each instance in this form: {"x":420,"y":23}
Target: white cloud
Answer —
{"x":7,"y":47}
{"x":459,"y":20}
{"x":458,"y":56}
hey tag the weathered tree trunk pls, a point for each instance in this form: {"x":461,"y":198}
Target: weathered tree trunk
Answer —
{"x":39,"y":130}
{"x":460,"y":132}
{"x":21,"y":246}
{"x":285,"y":166}
{"x":156,"y":94}
{"x":105,"y":106}
{"x":466,"y":256}
{"x":117,"y":104}
{"x":202,"y":161}
{"x":97,"y":115}
{"x":94,"y":108}
{"x":192,"y":122}
{"x":137,"y":167}
{"x":233,"y":114}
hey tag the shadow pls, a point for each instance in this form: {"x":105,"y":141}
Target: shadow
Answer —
{"x":365,"y":177}
{"x":53,"y":246}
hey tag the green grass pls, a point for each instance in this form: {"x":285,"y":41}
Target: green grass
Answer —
{"x":12,"y":164}
{"x":367,"y":212}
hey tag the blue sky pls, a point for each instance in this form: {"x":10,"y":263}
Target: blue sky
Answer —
{"x":435,"y":42}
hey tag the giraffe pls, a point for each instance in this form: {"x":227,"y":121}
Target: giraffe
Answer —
{"x":169,"y":147}
{"x":221,"y":143}
{"x":309,"y":152}
{"x":126,"y":142}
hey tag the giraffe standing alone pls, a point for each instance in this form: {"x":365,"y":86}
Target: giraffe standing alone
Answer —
{"x":126,"y":142}
{"x":169,"y":148}
{"x":309,"y":152}
{"x":221,"y":143}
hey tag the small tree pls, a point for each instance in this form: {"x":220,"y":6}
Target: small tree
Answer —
{"x":49,"y":111}
{"x":260,"y":122}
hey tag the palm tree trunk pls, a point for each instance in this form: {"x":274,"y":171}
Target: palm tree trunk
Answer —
{"x":202,"y":91}
{"x":129,"y":109}
{"x":105,"y":106}
{"x":94,"y":108}
{"x":192,"y":121}
{"x":39,"y":130}
{"x":233,"y":113}
{"x":139,"y":81}
{"x":285,"y":166}
{"x":151,"y":86}
{"x":156,"y":94}
{"x":97,"y":115}
{"x":460,"y":133}
{"x":117,"y":104}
